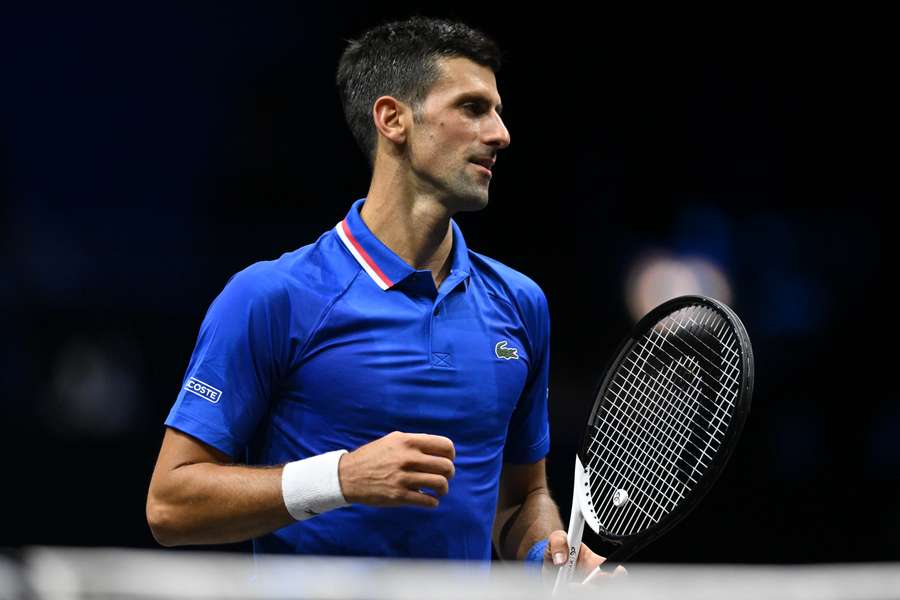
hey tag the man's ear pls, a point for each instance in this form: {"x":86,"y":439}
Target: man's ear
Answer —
{"x":392,"y":118}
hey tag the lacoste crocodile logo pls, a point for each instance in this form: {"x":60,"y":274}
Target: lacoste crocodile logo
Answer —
{"x":507,"y":353}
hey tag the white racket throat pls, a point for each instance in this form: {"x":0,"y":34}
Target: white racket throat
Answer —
{"x":582,"y":511}
{"x":582,"y":490}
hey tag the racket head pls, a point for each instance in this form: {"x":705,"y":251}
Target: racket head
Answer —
{"x":667,"y":454}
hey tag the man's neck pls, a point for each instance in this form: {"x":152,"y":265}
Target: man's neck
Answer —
{"x":417,"y":230}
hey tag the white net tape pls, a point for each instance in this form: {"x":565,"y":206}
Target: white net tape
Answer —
{"x":72,"y":573}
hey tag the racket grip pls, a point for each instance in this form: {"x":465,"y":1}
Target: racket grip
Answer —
{"x":573,"y":536}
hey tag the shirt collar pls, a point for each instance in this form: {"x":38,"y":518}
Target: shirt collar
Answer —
{"x":380,"y":262}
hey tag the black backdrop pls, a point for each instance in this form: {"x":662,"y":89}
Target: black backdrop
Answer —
{"x":148,"y":152}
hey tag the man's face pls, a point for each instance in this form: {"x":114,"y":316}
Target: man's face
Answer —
{"x":459,"y":122}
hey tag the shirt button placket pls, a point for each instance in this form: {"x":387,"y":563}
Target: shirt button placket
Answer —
{"x":439,"y":357}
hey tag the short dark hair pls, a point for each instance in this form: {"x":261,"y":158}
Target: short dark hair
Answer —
{"x":399,"y":59}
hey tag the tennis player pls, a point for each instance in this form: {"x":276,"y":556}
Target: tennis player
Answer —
{"x":382,"y":391}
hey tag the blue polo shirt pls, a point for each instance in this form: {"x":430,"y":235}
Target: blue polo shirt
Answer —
{"x":341,"y":342}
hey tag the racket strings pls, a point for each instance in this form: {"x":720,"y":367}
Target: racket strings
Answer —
{"x":668,"y":476}
{"x":728,"y":344}
{"x":639,"y":507}
{"x":655,"y":421}
{"x":629,"y":460}
{"x":679,"y":415}
{"x":625,"y":390}
{"x":670,"y":488}
{"x":731,"y":361}
{"x":669,"y":455}
{"x":733,"y":365}
{"x":730,"y":384}
{"x":626,"y":393}
{"x":663,"y":418}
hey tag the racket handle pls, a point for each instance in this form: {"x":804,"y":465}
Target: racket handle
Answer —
{"x":573,"y":536}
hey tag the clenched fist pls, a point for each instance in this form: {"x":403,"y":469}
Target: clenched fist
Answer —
{"x":392,"y":470}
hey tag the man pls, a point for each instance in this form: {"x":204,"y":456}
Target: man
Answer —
{"x":386,"y":335}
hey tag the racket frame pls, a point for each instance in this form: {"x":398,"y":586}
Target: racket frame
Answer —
{"x":582,"y":504}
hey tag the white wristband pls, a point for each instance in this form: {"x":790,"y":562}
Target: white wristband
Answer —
{"x":311,"y":486}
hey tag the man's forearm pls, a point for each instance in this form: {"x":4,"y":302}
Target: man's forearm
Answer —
{"x":520,"y":527}
{"x":209,"y":503}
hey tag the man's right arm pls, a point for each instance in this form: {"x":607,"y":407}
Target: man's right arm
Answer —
{"x":197,"y":497}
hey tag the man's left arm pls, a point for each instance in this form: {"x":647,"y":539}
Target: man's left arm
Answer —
{"x":526,"y":514}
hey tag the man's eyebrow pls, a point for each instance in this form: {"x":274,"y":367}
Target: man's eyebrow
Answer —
{"x":480,"y":98}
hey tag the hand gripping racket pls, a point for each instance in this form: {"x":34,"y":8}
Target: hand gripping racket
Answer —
{"x":666,"y":417}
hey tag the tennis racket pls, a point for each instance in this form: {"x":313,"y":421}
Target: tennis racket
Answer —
{"x":666,"y":418}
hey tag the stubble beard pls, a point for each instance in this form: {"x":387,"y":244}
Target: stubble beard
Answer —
{"x":466,"y":192}
{"x":471,"y":192}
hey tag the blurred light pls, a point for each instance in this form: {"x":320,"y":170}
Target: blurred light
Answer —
{"x":94,"y":389}
{"x":657,"y":277}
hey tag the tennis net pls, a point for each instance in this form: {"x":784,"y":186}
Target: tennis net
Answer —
{"x":76,"y":573}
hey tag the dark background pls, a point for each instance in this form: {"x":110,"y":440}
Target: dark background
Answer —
{"x":148,"y":152}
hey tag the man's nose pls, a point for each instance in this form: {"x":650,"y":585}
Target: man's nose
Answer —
{"x":498,"y":133}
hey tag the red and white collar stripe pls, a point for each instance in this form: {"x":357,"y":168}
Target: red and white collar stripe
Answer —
{"x":362,"y":257}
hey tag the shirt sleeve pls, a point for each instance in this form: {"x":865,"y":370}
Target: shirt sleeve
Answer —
{"x":528,"y":437}
{"x":238,"y":358}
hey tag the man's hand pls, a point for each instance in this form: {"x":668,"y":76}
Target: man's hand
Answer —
{"x":392,"y":470}
{"x":557,"y":553}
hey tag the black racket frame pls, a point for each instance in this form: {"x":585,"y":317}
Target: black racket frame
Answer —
{"x":625,"y":547}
